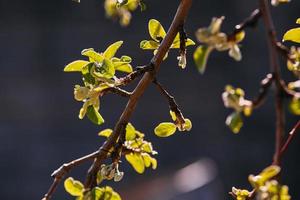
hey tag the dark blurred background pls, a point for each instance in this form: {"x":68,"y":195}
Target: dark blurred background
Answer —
{"x":39,"y":128}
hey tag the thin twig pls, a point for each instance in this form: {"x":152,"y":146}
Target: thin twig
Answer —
{"x":274,"y":61}
{"x":250,"y":21}
{"x":171,"y":100}
{"x":116,"y":90}
{"x":263,"y":91}
{"x":292,"y":134}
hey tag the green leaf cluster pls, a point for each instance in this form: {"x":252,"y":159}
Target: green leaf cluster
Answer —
{"x":75,"y":188}
{"x":234,"y":98}
{"x":98,"y":73}
{"x":212,"y":38}
{"x":157,"y":34}
{"x":139,"y":152}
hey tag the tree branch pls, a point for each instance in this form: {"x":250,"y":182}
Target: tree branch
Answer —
{"x":171,"y":100}
{"x":148,"y":73}
{"x":290,"y":138}
{"x":148,"y":77}
{"x":274,"y":61}
{"x":263,"y":91}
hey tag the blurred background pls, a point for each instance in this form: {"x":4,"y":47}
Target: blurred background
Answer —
{"x":39,"y":128}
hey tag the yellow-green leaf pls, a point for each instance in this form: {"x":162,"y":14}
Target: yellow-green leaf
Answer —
{"x":200,"y":57}
{"x":187,"y":124}
{"x":292,"y":35}
{"x":130,"y":132}
{"x":234,"y":122}
{"x":94,"y":115}
{"x":176,"y":43}
{"x":145,"y":44}
{"x":105,"y":132}
{"x":93,"y":55}
{"x":123,"y":67}
{"x":112,"y":49}
{"x":76,"y":66}
{"x":165,"y":129}
{"x":156,"y":31}
{"x":73,"y":187}
{"x":294,"y":106}
{"x":298,"y":21}
{"x":136,"y":161}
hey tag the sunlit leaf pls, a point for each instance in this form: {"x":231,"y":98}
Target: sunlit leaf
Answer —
{"x":298,"y":21}
{"x":130,"y":132}
{"x":165,"y":129}
{"x":136,"y":162}
{"x":105,"y":132}
{"x":94,"y":115}
{"x":156,"y":31}
{"x":112,"y":49}
{"x":200,"y":57}
{"x":145,"y":44}
{"x":294,"y":106}
{"x":76,"y":66}
{"x":292,"y":35}
{"x":234,"y":122}
{"x":86,"y":74}
{"x":93,"y":55}
{"x":73,"y":187}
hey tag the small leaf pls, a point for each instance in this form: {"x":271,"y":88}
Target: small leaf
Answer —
{"x":292,"y":35}
{"x":86,"y":73}
{"x":294,"y":106}
{"x":123,"y":67}
{"x":234,"y":122}
{"x":93,"y":55}
{"x":165,"y":129}
{"x":76,"y":66}
{"x":73,"y":187}
{"x":298,"y":21}
{"x":130,"y":132}
{"x":145,"y":44}
{"x":105,"y":132}
{"x":136,"y":162}
{"x":112,"y":49}
{"x":94,"y":115}
{"x":156,"y":31}
{"x":239,"y":36}
{"x":105,"y":70}
{"x":200,"y":57}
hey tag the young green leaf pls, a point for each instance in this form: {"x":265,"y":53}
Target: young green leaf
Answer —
{"x":200,"y":57}
{"x":130,"y":132}
{"x":112,"y":49}
{"x":136,"y":161}
{"x":93,"y":55}
{"x":298,"y":21}
{"x":145,"y":44}
{"x":294,"y":106}
{"x":94,"y":115}
{"x":165,"y":129}
{"x":73,"y":187}
{"x":156,"y":30}
{"x":292,"y":35}
{"x":234,"y":122}
{"x":105,"y":132}
{"x":76,"y":66}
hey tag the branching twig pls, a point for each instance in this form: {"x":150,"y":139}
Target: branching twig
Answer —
{"x":263,"y":91}
{"x":171,"y":100}
{"x":290,"y":138}
{"x":250,"y":21}
{"x":141,"y":87}
{"x":116,"y":90}
{"x":148,"y":73}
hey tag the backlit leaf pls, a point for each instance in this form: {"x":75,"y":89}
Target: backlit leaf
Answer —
{"x":145,"y":44}
{"x":234,"y":122}
{"x":73,"y":187}
{"x":112,"y":49}
{"x":292,"y":35}
{"x":294,"y":106}
{"x":105,"y":132}
{"x":76,"y":66}
{"x":130,"y":132}
{"x":136,"y":162}
{"x":200,"y":57}
{"x":156,"y":31}
{"x":165,"y":129}
{"x":93,"y":55}
{"x":94,"y":115}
